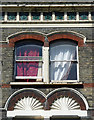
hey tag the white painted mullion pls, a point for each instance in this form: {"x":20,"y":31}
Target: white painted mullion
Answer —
{"x":17,"y":16}
{"x":41,"y":16}
{"x":65,"y":16}
{"x":53,"y":16}
{"x":5,"y":18}
{"x":89,"y":16}
{"x":77,"y":16}
{"x":29,"y":17}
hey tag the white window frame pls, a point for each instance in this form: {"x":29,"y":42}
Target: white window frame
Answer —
{"x":38,"y":79}
{"x":45,"y":79}
{"x":65,"y":81}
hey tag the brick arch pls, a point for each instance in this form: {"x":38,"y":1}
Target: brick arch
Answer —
{"x":18,"y":95}
{"x":67,"y":35}
{"x":25,"y":35}
{"x":67,"y":92}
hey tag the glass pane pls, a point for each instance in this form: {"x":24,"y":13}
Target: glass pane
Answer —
{"x":29,"y":50}
{"x":83,"y":15}
{"x":29,"y":69}
{"x":63,"y":71}
{"x":63,"y":51}
{"x":23,"y":15}
{"x":47,"y":16}
{"x":2,"y":15}
{"x":35,"y":16}
{"x":71,"y":15}
{"x":92,"y":15}
{"x":25,"y":52}
{"x":59,"y":16}
{"x":12,"y":15}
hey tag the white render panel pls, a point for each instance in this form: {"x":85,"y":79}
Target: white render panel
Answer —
{"x":46,"y":113}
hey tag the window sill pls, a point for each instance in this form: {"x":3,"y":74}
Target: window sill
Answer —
{"x":65,"y":81}
{"x":46,"y":84}
{"x":27,"y":83}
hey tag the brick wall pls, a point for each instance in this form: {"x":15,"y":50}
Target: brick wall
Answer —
{"x":86,"y":56}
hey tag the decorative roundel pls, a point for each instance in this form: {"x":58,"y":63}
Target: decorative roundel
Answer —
{"x":65,"y":103}
{"x":28,"y":103}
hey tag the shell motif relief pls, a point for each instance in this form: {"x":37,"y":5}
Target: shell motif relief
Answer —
{"x":65,"y":103}
{"x":28,"y":103}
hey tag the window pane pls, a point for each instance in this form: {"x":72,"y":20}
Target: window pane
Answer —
{"x":59,"y":16}
{"x":83,"y":15}
{"x":63,"y":61}
{"x":29,"y":50}
{"x":63,"y":71}
{"x":35,"y":16}
{"x":92,"y":15}
{"x":63,"y":51}
{"x":23,"y":15}
{"x":29,"y":69}
{"x":12,"y":15}
{"x":2,"y":15}
{"x":47,"y":16}
{"x":71,"y":15}
{"x":28,"y":59}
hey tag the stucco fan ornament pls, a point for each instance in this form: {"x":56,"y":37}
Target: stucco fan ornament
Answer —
{"x":65,"y":103}
{"x":28,"y":103}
